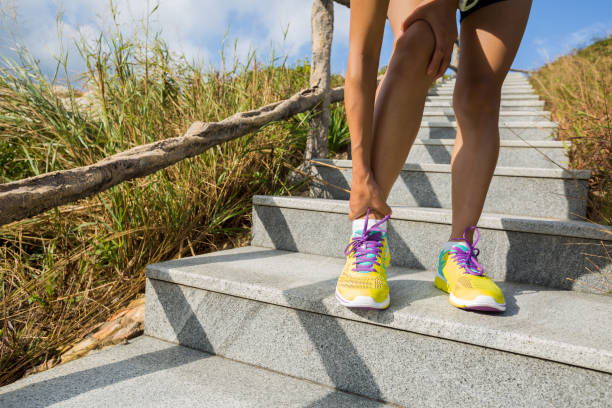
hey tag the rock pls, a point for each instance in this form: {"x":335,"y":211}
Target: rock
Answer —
{"x":120,"y":327}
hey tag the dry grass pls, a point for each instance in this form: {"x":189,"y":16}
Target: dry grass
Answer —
{"x":577,"y":89}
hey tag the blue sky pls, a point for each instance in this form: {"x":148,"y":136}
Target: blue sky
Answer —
{"x":198,"y":27}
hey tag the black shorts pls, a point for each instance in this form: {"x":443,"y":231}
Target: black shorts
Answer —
{"x":479,"y":5}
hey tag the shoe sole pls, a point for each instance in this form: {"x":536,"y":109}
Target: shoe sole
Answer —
{"x":363,"y":302}
{"x":480,"y":303}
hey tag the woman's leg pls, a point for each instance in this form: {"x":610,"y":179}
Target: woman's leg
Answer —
{"x":488,"y":43}
{"x":400,"y":96}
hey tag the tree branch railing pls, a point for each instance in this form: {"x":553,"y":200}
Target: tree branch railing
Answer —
{"x":31,"y":196}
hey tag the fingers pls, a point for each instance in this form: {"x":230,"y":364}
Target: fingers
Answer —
{"x":436,"y":59}
{"x":367,"y":195}
{"x":441,"y":56}
{"x":445,"y":63}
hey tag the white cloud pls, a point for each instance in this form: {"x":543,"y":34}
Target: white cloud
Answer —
{"x":549,"y":49}
{"x":192,"y":27}
{"x":541,"y":49}
{"x":586,"y":34}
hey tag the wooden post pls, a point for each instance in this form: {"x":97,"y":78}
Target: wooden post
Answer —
{"x":322,"y":22}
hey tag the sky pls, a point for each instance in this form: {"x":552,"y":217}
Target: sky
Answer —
{"x":199,"y":29}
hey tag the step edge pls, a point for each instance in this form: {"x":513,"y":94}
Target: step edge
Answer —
{"x":508,"y":124}
{"x":431,"y":112}
{"x":510,"y":92}
{"x":505,"y":92}
{"x":506,"y":340}
{"x":556,"y":144}
{"x":527,"y":224}
{"x":534,"y":102}
{"x":524,"y":172}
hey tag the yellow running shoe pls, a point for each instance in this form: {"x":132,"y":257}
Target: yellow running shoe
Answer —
{"x":363,"y":281}
{"x":460,"y":275}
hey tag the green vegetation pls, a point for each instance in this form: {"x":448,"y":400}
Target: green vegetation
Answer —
{"x":577,"y":89}
{"x":69,"y":269}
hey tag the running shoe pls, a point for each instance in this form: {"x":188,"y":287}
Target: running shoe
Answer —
{"x":460,"y":275}
{"x":363,"y":281}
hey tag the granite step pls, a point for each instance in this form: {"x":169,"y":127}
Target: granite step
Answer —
{"x":507,"y":93}
{"x":508,"y":97}
{"x":510,"y":85}
{"x":549,"y":154}
{"x":149,"y":372}
{"x":437,"y":115}
{"x":516,"y":130}
{"x":556,"y":193}
{"x":528,"y":105}
{"x":521,"y":85}
{"x":555,"y":253}
{"x":507,"y":81}
{"x":276,"y":310}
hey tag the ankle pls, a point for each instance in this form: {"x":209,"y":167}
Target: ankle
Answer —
{"x":372,"y":218}
{"x":462,"y":235}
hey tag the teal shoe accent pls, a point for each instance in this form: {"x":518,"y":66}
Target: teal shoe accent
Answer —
{"x":441,"y":264}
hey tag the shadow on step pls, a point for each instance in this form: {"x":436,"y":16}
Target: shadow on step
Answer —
{"x":315,"y":238}
{"x":338,"y":398}
{"x":438,"y":153}
{"x":420,"y":189}
{"x":57,"y":390}
{"x":333,"y":345}
{"x":277,"y":228}
{"x":555,"y":261}
{"x":401,"y":250}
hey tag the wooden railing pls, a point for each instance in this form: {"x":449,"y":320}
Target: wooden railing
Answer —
{"x":29,"y":197}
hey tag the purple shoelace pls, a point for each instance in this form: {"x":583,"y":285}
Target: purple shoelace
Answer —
{"x":468,"y":259}
{"x":368,"y":243}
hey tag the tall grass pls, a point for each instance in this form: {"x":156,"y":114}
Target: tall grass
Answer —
{"x":68,"y":269}
{"x":577,"y":89}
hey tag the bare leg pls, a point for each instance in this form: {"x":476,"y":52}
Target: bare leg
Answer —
{"x":400,"y":98}
{"x":489,"y":40}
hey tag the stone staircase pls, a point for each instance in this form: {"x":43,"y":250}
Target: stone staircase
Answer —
{"x":272,"y":304}
{"x":268,"y":314}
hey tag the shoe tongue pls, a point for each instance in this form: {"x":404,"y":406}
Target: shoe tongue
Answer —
{"x":373,"y":234}
{"x":461,"y":245}
{"x":465,"y":248}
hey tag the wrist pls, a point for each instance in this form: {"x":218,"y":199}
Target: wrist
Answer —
{"x":361,"y":173}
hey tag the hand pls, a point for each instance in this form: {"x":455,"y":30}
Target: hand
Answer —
{"x":365,"y":192}
{"x":441,"y":16}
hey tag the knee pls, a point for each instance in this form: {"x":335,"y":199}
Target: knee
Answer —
{"x":477,"y":96}
{"x":413,"y":49}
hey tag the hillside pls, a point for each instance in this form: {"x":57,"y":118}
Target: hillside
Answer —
{"x":577,"y":89}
